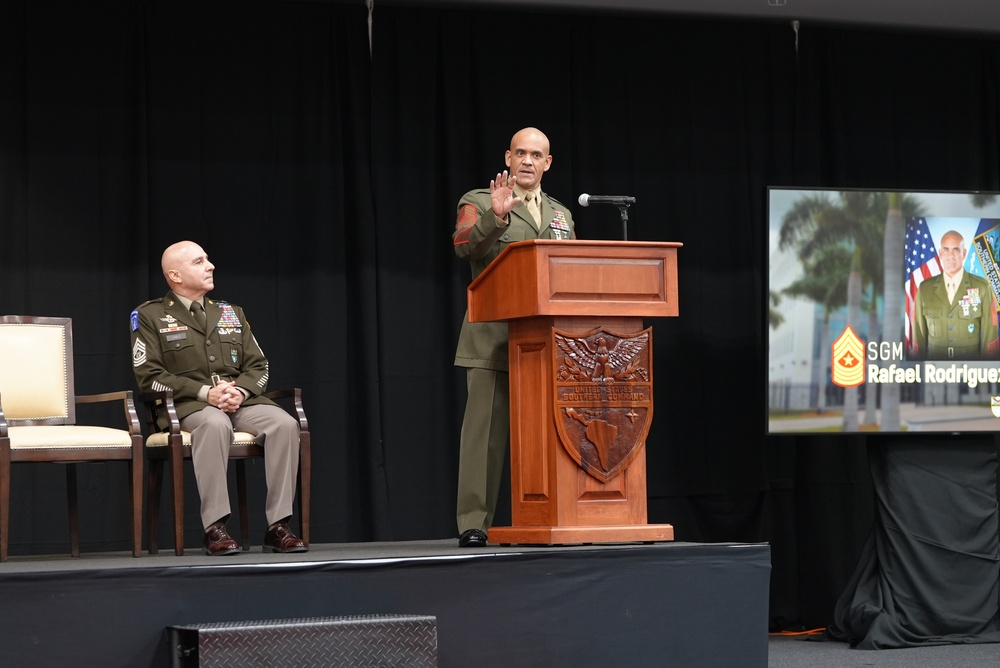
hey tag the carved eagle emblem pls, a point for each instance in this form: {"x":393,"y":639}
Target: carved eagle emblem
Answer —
{"x":603,"y":360}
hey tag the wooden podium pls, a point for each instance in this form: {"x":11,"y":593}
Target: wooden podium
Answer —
{"x":580,"y":383}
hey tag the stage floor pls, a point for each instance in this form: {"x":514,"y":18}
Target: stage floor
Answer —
{"x":683,"y":604}
{"x":321,"y":553}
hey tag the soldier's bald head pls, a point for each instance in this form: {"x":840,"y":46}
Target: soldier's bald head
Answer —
{"x":187,"y":270}
{"x":176,"y":254}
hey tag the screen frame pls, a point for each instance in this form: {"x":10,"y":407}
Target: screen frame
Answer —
{"x":926,"y":414}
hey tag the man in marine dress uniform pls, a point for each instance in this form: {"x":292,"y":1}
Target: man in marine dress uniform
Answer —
{"x":955,"y":315}
{"x":513,"y":208}
{"x":204,"y":351}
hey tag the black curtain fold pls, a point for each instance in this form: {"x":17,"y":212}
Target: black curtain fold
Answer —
{"x":321,"y":174}
{"x":929,"y":573}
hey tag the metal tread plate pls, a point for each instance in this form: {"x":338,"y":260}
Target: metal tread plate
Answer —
{"x":363,"y":641}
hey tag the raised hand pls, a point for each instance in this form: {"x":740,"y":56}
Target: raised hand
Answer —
{"x":502,"y":194}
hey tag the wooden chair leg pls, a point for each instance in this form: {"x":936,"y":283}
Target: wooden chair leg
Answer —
{"x":154,"y":488}
{"x":74,"y":510}
{"x":4,"y":498}
{"x":135,"y":493}
{"x":241,"y":495}
{"x":305,"y":486}
{"x":177,"y":494}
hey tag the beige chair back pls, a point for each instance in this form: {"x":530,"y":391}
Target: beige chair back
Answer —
{"x":36,"y":371}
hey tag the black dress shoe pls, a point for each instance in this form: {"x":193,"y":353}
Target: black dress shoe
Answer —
{"x":218,"y":542}
{"x":279,"y":538}
{"x":472,"y":538}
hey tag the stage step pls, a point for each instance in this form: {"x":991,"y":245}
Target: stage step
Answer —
{"x":364,"y":641}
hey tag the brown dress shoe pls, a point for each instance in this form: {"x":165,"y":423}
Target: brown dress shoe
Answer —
{"x":279,"y":538}
{"x":218,"y":542}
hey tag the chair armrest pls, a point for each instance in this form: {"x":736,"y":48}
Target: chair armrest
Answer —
{"x":154,"y":401}
{"x":103,"y":397}
{"x":295,"y":394}
{"x":3,"y":421}
{"x":153,"y":397}
{"x":128,"y":402}
{"x":157,"y":401}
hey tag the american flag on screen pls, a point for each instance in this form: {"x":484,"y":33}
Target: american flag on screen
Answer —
{"x":921,"y":263}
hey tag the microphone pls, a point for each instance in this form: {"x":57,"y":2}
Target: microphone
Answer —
{"x":617,"y":200}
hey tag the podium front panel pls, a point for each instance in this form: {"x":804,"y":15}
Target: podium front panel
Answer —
{"x":549,"y":488}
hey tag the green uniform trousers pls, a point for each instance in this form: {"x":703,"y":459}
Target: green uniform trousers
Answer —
{"x":485,"y":439}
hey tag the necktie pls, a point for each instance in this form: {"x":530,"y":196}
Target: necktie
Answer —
{"x":198,"y":311}
{"x":531,"y":201}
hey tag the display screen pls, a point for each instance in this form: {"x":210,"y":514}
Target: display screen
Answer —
{"x":882,"y":311}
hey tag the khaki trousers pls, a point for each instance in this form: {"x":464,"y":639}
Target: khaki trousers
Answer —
{"x":211,"y":437}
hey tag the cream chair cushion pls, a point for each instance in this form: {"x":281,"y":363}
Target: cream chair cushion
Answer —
{"x":67,"y":436}
{"x":162,"y":439}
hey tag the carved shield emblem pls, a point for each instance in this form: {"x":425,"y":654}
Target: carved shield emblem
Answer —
{"x":603,"y":397}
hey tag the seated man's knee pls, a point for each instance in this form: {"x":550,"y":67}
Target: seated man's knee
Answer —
{"x":288,"y":425}
{"x":212,"y":419}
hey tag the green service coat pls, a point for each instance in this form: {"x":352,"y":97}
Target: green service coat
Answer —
{"x":478,"y":239}
{"x":170,"y":350}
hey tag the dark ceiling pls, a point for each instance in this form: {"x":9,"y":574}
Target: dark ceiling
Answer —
{"x":942,"y":15}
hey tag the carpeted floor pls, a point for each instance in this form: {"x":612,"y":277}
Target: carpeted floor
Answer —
{"x":814,"y":652}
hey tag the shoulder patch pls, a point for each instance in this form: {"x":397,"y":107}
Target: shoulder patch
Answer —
{"x":133,"y":318}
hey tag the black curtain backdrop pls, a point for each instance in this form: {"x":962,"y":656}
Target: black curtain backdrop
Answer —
{"x":321,"y":172}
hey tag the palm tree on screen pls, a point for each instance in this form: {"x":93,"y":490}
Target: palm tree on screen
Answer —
{"x":848,"y":220}
{"x":982,"y":200}
{"x":892,"y":316}
{"x":824,"y":282}
{"x":900,"y":206}
{"x":774,"y":317}
{"x":870,"y":225}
